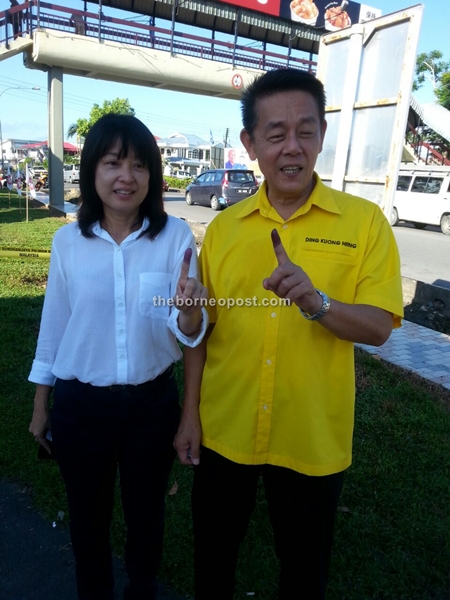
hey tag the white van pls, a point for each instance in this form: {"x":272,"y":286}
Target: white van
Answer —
{"x":71,"y":173}
{"x":423,"y":197}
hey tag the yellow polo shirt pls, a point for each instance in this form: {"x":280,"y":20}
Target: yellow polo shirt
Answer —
{"x":278,"y":389}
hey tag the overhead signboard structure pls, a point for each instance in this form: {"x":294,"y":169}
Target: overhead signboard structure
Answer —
{"x":368,"y":71}
{"x":328,"y":14}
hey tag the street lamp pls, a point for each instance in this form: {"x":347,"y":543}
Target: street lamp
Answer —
{"x":1,"y":136}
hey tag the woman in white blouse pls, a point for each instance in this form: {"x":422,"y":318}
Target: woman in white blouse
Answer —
{"x":121,"y":293}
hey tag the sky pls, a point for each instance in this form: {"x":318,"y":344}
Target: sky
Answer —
{"x":23,"y":113}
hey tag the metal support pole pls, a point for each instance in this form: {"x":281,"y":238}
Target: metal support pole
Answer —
{"x":290,"y":46}
{"x":100,"y":15}
{"x":174,"y":10}
{"x":235,"y":38}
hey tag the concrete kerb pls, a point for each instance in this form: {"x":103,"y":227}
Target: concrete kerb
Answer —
{"x":418,"y":291}
{"x":198,"y":229}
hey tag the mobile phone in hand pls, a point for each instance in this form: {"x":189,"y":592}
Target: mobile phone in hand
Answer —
{"x":42,"y":452}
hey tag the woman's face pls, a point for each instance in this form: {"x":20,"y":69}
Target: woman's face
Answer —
{"x":121,"y":183}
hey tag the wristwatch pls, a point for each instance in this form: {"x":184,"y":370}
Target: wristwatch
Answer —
{"x":323,"y":311}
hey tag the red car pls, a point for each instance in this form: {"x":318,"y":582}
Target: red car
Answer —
{"x":165,"y":186}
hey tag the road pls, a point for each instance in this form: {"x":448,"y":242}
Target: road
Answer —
{"x":424,"y":254}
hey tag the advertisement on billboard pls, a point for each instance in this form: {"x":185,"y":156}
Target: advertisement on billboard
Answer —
{"x":331,"y":15}
{"x":238,"y":158}
{"x":270,"y":7}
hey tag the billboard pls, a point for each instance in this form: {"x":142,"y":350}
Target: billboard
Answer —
{"x":331,"y":15}
{"x":238,"y":158}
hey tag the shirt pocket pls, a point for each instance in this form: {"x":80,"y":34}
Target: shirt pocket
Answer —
{"x":154,"y":295}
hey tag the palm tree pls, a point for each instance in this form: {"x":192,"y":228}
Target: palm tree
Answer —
{"x":72,"y":130}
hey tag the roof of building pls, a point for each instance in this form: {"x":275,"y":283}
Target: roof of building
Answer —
{"x":180,"y":140}
{"x":30,"y":146}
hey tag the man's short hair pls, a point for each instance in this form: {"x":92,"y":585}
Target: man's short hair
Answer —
{"x":274,"y":82}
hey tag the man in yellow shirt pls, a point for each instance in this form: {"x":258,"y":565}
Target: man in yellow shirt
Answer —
{"x":296,"y":275}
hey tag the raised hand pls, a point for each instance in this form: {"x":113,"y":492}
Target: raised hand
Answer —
{"x":290,"y":281}
{"x":189,"y":290}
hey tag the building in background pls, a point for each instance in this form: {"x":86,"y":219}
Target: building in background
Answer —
{"x":15,"y":150}
{"x":185,"y":152}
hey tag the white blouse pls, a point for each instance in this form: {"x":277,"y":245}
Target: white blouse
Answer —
{"x":105,"y":319}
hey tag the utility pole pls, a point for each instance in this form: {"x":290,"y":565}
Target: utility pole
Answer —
{"x":227,"y":132}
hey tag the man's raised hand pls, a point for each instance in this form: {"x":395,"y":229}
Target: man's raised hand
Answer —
{"x":290,"y":281}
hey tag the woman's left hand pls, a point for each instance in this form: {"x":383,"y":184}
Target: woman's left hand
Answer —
{"x":189,"y":290}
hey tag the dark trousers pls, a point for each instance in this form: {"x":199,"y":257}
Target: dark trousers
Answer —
{"x":301,"y":510}
{"x":95,"y":431}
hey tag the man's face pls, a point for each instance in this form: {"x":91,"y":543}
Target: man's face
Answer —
{"x":286,"y":141}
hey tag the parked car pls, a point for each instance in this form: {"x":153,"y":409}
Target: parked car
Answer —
{"x":182,"y":175}
{"x":423,"y":197}
{"x":71,"y":173}
{"x":165,"y":186}
{"x":219,"y":188}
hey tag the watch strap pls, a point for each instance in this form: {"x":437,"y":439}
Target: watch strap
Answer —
{"x":320,"y":313}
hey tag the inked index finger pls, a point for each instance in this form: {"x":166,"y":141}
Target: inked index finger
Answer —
{"x":278,"y":247}
{"x":184,"y":274}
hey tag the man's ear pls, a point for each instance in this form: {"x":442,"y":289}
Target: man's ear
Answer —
{"x":248,"y":144}
{"x":323,"y":130}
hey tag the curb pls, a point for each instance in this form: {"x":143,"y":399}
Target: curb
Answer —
{"x":418,"y":291}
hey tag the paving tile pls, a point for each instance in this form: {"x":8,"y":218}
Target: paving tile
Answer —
{"x":440,"y":373}
{"x":417,"y":349}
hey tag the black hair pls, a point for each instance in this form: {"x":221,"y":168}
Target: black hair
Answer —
{"x":133,"y":136}
{"x":274,"y":82}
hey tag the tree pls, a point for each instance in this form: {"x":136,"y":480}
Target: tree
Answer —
{"x":443,"y":91}
{"x":430,"y":66}
{"x":120,"y":106}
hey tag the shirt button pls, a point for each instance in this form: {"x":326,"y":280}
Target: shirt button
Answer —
{"x":119,"y":275}
{"x":119,"y":249}
{"x":120,"y":304}
{"x":122,"y":331}
{"x":274,"y":314}
{"x":122,"y":356}
{"x":268,"y":361}
{"x":265,"y":407}
{"x":285,"y":226}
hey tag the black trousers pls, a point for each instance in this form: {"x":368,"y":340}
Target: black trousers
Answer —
{"x":95,"y":432}
{"x":301,"y":509}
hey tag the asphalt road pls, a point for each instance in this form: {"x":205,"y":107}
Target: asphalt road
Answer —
{"x":424,"y":254}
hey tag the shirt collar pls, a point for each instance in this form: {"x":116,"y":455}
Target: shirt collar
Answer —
{"x":321,"y":196}
{"x":97,"y":230}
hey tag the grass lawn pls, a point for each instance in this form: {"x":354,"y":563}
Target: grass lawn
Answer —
{"x":393,"y":529}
